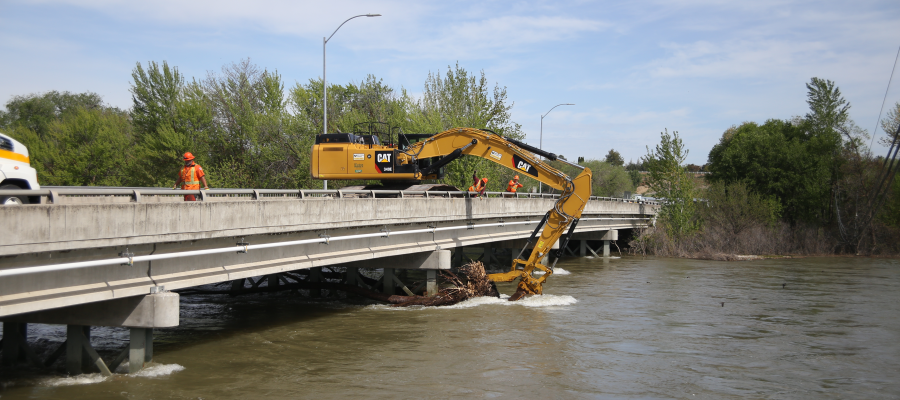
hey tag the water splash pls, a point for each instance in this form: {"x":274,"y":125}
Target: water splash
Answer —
{"x":556,"y":271}
{"x":547,"y":300}
{"x":84,"y":379}
{"x":158,"y":370}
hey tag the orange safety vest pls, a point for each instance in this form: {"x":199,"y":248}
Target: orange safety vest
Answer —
{"x":512,"y":186}
{"x":190,"y":177}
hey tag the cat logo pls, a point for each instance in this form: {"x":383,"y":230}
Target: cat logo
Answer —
{"x":524,"y":166}
{"x":384,"y":162}
{"x":496,"y":155}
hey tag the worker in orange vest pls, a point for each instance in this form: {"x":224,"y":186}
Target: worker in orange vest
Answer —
{"x":479,"y":186}
{"x":475,"y":181}
{"x":190,"y":177}
{"x":513,"y":185}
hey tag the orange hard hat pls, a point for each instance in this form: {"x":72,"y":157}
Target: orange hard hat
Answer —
{"x":188,"y":156}
{"x":484,"y":180}
{"x":517,"y":177}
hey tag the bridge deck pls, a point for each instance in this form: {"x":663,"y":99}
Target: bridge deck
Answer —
{"x":79,"y":230}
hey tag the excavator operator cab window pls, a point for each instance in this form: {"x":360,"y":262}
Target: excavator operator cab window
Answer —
{"x":338,"y":138}
{"x":371,"y":139}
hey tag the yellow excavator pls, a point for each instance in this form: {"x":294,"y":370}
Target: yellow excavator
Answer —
{"x":406,"y":162}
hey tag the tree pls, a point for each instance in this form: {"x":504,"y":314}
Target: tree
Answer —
{"x":668,"y":179}
{"x":889,"y":125}
{"x":614,"y":158}
{"x":85,"y":147}
{"x":788,"y":161}
{"x":155,"y":93}
{"x":734,"y":207}
{"x":169,"y":117}
{"x":460,"y":99}
{"x":37,"y":111}
{"x":828,"y":110}
{"x":608,"y":180}
{"x":250,"y":141}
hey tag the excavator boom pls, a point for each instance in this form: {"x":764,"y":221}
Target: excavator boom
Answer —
{"x":440,"y":149}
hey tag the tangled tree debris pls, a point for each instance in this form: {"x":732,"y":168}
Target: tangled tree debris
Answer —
{"x":472,"y":281}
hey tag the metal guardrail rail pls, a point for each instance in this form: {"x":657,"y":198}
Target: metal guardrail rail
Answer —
{"x":56,"y":194}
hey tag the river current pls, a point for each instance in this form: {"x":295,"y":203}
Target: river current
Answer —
{"x":630,"y":327}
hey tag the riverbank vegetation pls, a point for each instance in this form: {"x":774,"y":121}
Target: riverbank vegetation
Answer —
{"x":807,"y":186}
{"x":247,"y":129}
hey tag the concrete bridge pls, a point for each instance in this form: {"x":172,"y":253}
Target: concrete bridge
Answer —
{"x":111,"y":257}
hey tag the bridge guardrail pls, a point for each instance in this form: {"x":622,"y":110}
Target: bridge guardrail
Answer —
{"x":56,"y":194}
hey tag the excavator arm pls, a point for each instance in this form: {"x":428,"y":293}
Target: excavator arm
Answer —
{"x":454,"y":143}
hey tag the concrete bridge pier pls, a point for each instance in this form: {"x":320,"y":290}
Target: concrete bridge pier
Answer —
{"x":605,"y":236}
{"x":139,"y":313}
{"x":430,"y":261}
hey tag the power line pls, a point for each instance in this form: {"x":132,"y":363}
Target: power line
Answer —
{"x":886,"y":90}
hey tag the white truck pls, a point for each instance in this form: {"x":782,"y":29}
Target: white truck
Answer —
{"x":16,"y":172}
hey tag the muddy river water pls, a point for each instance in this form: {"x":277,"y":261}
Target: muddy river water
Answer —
{"x":622,"y":328}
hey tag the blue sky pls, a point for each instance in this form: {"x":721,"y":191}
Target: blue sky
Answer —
{"x":631,"y":68}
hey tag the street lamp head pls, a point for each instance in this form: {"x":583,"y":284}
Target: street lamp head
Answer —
{"x":373,"y":15}
{"x":569,"y":104}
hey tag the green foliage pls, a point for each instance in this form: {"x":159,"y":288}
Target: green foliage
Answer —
{"x":634,"y":172}
{"x":614,"y":158}
{"x":668,"y":178}
{"x":37,"y":112}
{"x":247,"y":144}
{"x":461,"y":99}
{"x":828,"y":110}
{"x":636,"y":178}
{"x":890,"y":213}
{"x":608,"y":180}
{"x":789,"y":161}
{"x":889,"y":125}
{"x":84,"y":147}
{"x":734,"y":208}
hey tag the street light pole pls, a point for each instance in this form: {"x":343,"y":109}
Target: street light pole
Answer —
{"x":325,"y":83}
{"x":541,"y":144}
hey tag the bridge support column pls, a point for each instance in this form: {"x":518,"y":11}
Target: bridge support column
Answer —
{"x":237,"y":285}
{"x":458,"y":255}
{"x":315,"y":275}
{"x":140,"y":349}
{"x":80,"y":355}
{"x":606,"y":248}
{"x":13,"y":335}
{"x":431,"y":286}
{"x":352,"y":276}
{"x":74,"y":345}
{"x":488,"y":254}
{"x":582,"y":248}
{"x":387,"y":281}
